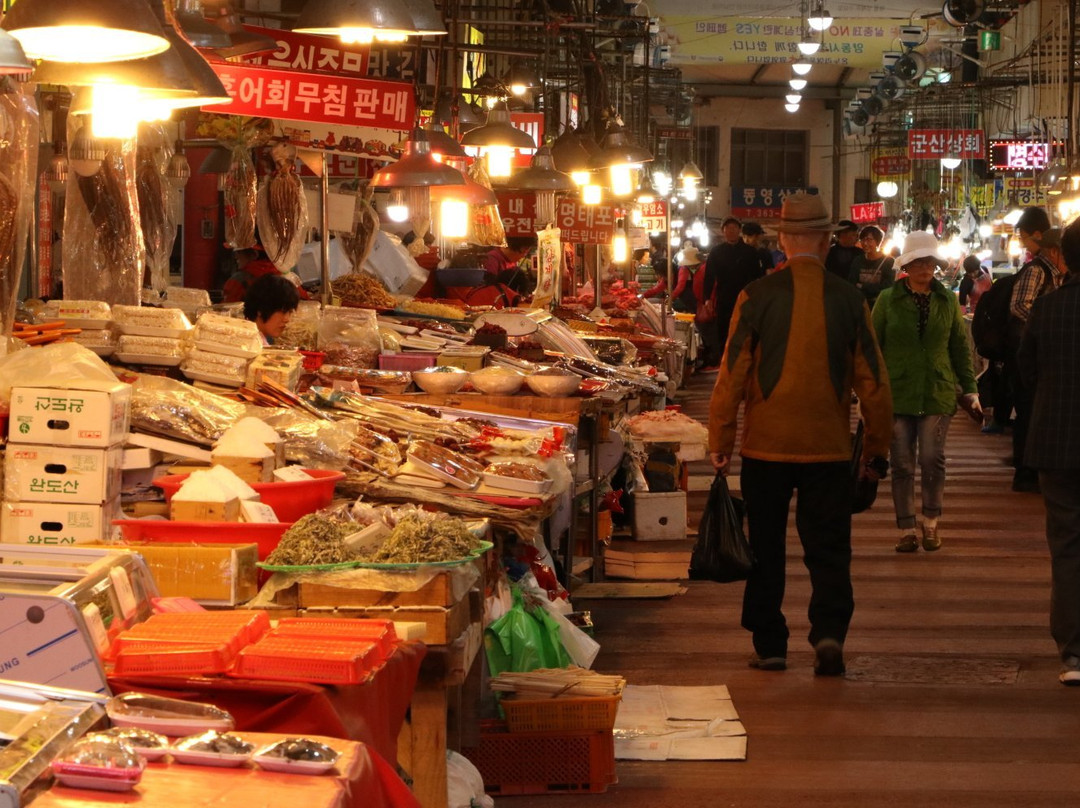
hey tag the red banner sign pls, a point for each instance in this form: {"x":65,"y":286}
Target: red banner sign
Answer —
{"x":890,"y":165}
{"x":518,"y":212}
{"x":586,"y":224}
{"x":867,"y":212}
{"x":654,"y":216}
{"x":275,"y":93}
{"x":933,"y":144}
{"x":314,"y":54}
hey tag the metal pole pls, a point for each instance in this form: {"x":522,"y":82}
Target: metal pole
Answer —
{"x":324,"y":229}
{"x":665,"y":302}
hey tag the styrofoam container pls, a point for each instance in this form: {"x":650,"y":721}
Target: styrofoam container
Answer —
{"x":517,"y":484}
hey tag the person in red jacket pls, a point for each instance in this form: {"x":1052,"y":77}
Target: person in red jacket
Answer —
{"x":251,"y":264}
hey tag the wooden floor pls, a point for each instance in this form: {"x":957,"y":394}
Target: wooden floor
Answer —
{"x":952,"y":695}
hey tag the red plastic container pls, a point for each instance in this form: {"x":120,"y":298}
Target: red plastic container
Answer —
{"x":313,"y":360}
{"x":290,"y":500}
{"x":408,"y":362}
{"x":380,"y":632}
{"x":265,"y":534}
{"x":293,"y":659}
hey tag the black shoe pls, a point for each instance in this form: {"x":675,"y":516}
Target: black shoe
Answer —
{"x":1026,"y":481}
{"x":829,"y":658}
{"x":773,"y":663}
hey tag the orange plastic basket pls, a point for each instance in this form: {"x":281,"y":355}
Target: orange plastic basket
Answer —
{"x":549,"y":763}
{"x":294,"y":659}
{"x":190,"y":661}
{"x":562,"y":714}
{"x":380,"y":632}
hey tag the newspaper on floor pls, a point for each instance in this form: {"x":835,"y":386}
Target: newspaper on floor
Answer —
{"x":678,"y":723}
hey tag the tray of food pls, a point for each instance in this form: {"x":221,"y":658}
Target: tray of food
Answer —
{"x":523,"y":477}
{"x":296,"y":756}
{"x":213,"y":748}
{"x":445,"y":464}
{"x":148,"y":745}
{"x":146,"y":359}
{"x":164,"y":715}
{"x":103,"y":764}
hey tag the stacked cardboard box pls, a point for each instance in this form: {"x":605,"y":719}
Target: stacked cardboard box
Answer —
{"x":62,"y":468}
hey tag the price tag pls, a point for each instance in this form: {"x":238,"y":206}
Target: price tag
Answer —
{"x":96,"y":626}
{"x":124,"y":593}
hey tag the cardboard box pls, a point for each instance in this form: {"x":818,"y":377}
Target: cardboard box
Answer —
{"x":212,"y":574}
{"x":61,"y":474}
{"x":185,"y":510}
{"x":660,"y":517}
{"x":141,"y":457}
{"x":94,"y":414}
{"x":53,"y":524}
{"x":466,"y":357}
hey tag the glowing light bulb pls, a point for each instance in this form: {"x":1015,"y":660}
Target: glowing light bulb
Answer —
{"x":797,"y":84}
{"x":801,"y":68}
{"x":887,"y":189}
{"x":580,"y":178}
{"x":791,"y":107}
{"x":357,"y":36}
{"x":591,"y":194}
{"x":491,"y":101}
{"x":986,"y":230}
{"x":690,"y":191}
{"x":518,"y":89}
{"x":622,"y":179}
{"x":397,"y":210}
{"x":500,"y":161}
{"x":115,"y":111}
{"x":619,"y":248}
{"x":950,"y":163}
{"x":809,"y":48}
{"x":1014,"y":247}
{"x":793,"y":98}
{"x":635,"y":217}
{"x":453,"y":218}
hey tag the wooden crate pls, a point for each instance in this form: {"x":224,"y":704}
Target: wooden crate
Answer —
{"x":443,"y":624}
{"x":436,"y":592}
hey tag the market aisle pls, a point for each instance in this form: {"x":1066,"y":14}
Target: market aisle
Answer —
{"x":952,"y":695}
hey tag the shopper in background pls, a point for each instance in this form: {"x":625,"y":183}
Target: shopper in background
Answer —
{"x":251,"y":264}
{"x":801,"y":341}
{"x":923,"y":338}
{"x":844,"y":249}
{"x":872,"y":270}
{"x":1038,"y":276}
{"x":270,"y":303}
{"x":752,"y":234}
{"x":1050,"y":361}
{"x":731,"y":265}
{"x":976,"y":280}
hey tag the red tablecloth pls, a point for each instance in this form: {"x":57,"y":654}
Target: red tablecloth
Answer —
{"x":371,"y":712}
{"x":361,"y":779}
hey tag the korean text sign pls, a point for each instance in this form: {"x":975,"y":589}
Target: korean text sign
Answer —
{"x":758,"y":202}
{"x":933,"y":144}
{"x":318,"y":54}
{"x":586,"y":224}
{"x":275,"y":93}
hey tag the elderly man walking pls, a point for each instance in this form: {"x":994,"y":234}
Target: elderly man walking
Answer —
{"x":801,"y":341}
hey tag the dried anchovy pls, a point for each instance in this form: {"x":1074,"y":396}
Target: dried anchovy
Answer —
{"x":363,"y":291}
{"x":415,"y":541}
{"x":312,"y":539}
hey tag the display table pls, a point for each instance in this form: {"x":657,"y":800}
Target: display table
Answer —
{"x":371,"y":712}
{"x":362,"y":779}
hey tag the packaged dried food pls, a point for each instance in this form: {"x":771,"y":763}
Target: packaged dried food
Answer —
{"x":100,"y":763}
{"x":522,"y":477}
{"x":297,"y":755}
{"x":149,"y":350}
{"x":165,"y":715}
{"x":86,"y":314}
{"x":232,"y":336}
{"x":213,"y":748}
{"x":207,"y":363}
{"x":148,"y":321}
{"x":349,"y":337}
{"x":450,"y":466}
{"x":282,"y":213}
{"x":147,"y":744}
{"x":302,"y":332}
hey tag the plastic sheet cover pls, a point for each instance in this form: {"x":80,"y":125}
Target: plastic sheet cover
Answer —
{"x":157,"y":204}
{"x":103,"y":242}
{"x":167,"y":407}
{"x":282,"y":211}
{"x":18,"y":163}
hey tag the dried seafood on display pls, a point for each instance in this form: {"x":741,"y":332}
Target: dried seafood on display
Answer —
{"x":18,"y":163}
{"x":362,"y":291}
{"x":415,"y":540}
{"x":313,"y":539}
{"x":360,"y":240}
{"x":282,"y":209}
{"x":392,"y":419}
{"x":153,"y":215}
{"x":240,"y":199}
{"x":485,"y":221}
{"x":109,"y":207}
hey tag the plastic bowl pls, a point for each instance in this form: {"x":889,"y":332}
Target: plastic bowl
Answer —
{"x":497,"y":381}
{"x":290,"y":500}
{"x":441,"y":380}
{"x":554,"y":385}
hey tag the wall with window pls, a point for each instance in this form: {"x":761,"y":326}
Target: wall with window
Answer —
{"x":799,"y":148}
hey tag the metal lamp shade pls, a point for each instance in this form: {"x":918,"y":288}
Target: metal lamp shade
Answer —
{"x":441,"y":141}
{"x":498,"y":132}
{"x":542,"y":175}
{"x":618,"y":148}
{"x":569,"y":153}
{"x":197,"y":30}
{"x":691,"y":172}
{"x":208,"y":87}
{"x":13,"y":60}
{"x":426,"y":18}
{"x":489,"y":86}
{"x":331,"y":17}
{"x":242,"y":42}
{"x":58,"y":30}
{"x":472,"y":192}
{"x":416,"y":168}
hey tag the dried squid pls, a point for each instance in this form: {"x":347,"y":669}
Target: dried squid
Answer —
{"x":282,"y":209}
{"x":153,"y":216}
{"x":359,"y":242}
{"x":240,"y":192}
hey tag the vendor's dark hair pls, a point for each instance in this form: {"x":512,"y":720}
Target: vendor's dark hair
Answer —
{"x":972,"y":264}
{"x":872,"y":231}
{"x":268,"y":295}
{"x":520,"y":243}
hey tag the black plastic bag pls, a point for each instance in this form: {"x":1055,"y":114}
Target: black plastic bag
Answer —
{"x":863,"y":489}
{"x":722,"y":553}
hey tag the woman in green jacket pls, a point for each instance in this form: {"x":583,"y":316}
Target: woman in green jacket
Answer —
{"x":924,"y":341}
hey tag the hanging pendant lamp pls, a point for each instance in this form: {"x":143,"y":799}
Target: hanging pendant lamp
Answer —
{"x":242,"y":42}
{"x":542,"y":175}
{"x":178,"y":171}
{"x":441,"y":141}
{"x":356,"y":20}
{"x":84,"y":32}
{"x":426,"y":18}
{"x":618,"y":147}
{"x":416,"y":168}
{"x":13,"y":60}
{"x":189,"y":19}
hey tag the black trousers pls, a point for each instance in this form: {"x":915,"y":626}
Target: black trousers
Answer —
{"x":1061,"y":491}
{"x":823,"y":521}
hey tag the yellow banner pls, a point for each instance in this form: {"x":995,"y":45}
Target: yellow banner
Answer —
{"x":889,"y":163}
{"x":1022,"y":192}
{"x":757,"y":40}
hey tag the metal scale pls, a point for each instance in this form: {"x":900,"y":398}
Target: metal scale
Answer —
{"x":59,"y":607}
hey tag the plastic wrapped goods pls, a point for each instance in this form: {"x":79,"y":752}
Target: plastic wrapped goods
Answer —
{"x":154,"y":218}
{"x":240,"y":199}
{"x":18,"y":184}
{"x":282,"y":213}
{"x":349,"y":337}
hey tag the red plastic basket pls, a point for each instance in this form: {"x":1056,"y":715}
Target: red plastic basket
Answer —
{"x":293,"y":659}
{"x":191,"y":661}
{"x":380,"y":632}
{"x":264,"y":534}
{"x":543,"y":763}
{"x":290,"y":500}
{"x":250,"y":623}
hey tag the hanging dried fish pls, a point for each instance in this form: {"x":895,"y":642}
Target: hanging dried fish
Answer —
{"x":9,"y":202}
{"x":240,"y":196}
{"x":485,"y":221}
{"x":359,"y":242}
{"x":107,"y":204}
{"x":152,"y":215}
{"x":282,"y":209}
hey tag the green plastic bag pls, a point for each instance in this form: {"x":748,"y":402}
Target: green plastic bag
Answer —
{"x":524,"y":640}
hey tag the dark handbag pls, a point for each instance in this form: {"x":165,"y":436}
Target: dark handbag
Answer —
{"x":863,"y":489}
{"x":722,"y":553}
{"x":706,"y":312}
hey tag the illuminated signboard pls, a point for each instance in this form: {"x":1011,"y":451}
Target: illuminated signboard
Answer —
{"x":1022,"y":155}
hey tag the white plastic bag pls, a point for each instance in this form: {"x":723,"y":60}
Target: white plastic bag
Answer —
{"x":59,"y":364}
{"x":464,"y":785}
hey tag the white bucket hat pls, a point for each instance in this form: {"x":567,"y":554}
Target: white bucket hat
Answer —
{"x":691,"y":257}
{"x":919,"y":244}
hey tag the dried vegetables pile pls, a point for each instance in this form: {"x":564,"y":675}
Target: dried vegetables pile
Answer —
{"x":362,"y":291}
{"x":313,"y":539}
{"x":415,"y":540}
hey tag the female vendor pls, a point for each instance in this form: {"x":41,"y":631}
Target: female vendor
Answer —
{"x":270,"y":303}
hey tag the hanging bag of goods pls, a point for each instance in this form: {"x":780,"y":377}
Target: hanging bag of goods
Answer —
{"x":153,"y":215}
{"x":359,"y":242}
{"x":282,"y":209}
{"x":240,"y":199}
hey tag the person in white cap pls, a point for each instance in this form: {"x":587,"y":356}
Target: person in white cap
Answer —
{"x":801,"y":341}
{"x":923,"y":337}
